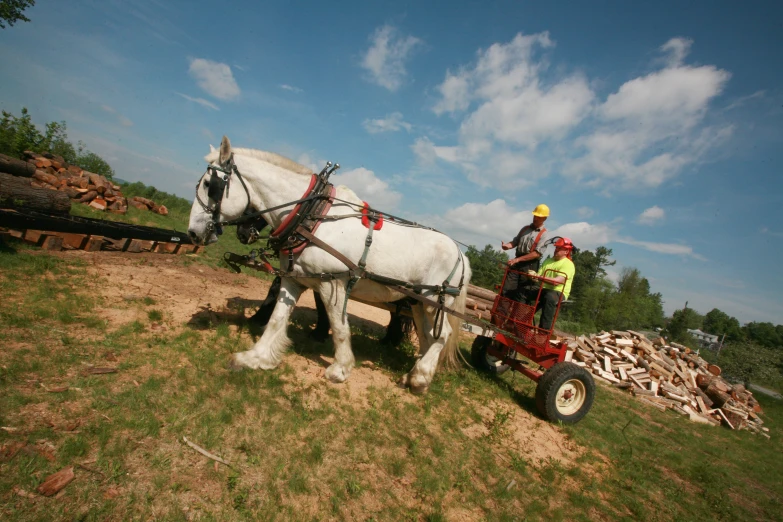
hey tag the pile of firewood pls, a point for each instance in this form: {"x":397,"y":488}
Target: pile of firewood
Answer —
{"x":667,"y":376}
{"x":52,"y":172}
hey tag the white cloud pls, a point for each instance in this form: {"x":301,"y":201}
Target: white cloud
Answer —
{"x":524,"y":119}
{"x":587,"y":236}
{"x":651,"y":216}
{"x":369,"y":187}
{"x":391,"y":123}
{"x":200,"y":101}
{"x":678,"y":49}
{"x":651,"y":128}
{"x":291,"y":88}
{"x":584,"y":212}
{"x":455,"y":93}
{"x":663,"y":248}
{"x":494,"y":221}
{"x":125,"y":122}
{"x":215,"y":78}
{"x":385,"y":59}
{"x":427,"y":152}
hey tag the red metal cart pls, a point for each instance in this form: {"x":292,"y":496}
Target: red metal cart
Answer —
{"x":565,"y":391}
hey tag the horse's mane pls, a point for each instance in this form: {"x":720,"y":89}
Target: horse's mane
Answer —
{"x":269,"y":157}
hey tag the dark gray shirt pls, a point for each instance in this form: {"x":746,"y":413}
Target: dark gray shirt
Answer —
{"x":525,"y":238}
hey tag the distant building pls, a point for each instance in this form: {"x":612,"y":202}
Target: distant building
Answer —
{"x":705,"y":340}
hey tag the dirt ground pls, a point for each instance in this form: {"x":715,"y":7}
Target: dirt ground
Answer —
{"x":184,"y":291}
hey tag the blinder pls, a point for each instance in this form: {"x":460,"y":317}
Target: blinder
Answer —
{"x":217,"y":189}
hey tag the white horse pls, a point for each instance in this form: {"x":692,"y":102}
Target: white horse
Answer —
{"x":416,"y":255}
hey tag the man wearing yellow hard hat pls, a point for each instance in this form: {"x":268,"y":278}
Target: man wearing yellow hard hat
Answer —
{"x":527,"y":256}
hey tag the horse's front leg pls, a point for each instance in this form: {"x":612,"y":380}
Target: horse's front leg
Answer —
{"x":333,"y":295}
{"x":420,"y":377}
{"x":267,"y":353}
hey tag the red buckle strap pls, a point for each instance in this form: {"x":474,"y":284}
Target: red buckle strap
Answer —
{"x":366,"y":217}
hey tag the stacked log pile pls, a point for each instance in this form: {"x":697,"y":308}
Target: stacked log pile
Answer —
{"x":667,"y":376}
{"x":479,"y":302}
{"x":53,"y":173}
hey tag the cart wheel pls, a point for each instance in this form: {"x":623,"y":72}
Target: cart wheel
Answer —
{"x":565,"y":393}
{"x":482,"y":360}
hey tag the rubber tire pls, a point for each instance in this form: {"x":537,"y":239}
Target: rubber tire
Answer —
{"x":549,"y":384}
{"x":478,"y":356}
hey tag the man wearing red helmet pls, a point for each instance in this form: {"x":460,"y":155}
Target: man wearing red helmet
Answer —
{"x":529,"y":245}
{"x":555,"y":283}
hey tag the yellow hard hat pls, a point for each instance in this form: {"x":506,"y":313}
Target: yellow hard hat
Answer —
{"x":541,"y":211}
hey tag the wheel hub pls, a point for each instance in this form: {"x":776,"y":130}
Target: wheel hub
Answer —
{"x":571,"y":396}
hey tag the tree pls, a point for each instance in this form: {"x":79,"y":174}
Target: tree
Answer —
{"x":11,"y":11}
{"x":681,"y":321}
{"x":764,"y":334}
{"x":486,"y":266}
{"x":719,"y":323}
{"x":20,"y":134}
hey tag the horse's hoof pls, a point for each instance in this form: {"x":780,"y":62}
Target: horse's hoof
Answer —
{"x":418,"y":385}
{"x":419,"y":390}
{"x":337,"y":374}
{"x":234,"y":366}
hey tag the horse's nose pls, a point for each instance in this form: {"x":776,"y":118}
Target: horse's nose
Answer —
{"x":193,"y":237}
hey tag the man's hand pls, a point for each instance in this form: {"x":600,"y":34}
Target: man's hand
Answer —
{"x":506,"y":246}
{"x":532,"y":273}
{"x":512,"y":262}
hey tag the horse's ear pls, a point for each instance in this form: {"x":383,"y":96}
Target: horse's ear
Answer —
{"x":212,"y":149}
{"x":225,"y":150}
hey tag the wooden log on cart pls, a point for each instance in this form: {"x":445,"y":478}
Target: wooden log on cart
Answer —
{"x":16,"y":167}
{"x":18,"y":192}
{"x":482,"y":293}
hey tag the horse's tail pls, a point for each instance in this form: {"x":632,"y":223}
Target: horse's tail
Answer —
{"x":449,"y":356}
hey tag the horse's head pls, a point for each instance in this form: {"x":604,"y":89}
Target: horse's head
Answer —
{"x":216,"y":202}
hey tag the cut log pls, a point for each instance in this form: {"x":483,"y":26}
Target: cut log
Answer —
{"x":483,"y":293}
{"x":16,"y":167}
{"x":16,"y":192}
{"x":88,"y":196}
{"x":717,"y":396}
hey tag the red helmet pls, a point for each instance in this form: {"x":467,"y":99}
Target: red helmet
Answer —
{"x":564,"y":242}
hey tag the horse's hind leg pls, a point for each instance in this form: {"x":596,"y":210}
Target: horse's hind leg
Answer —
{"x":267,"y":353}
{"x":333,"y":295}
{"x":420,"y":377}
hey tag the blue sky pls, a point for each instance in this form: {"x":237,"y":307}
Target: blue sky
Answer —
{"x":655,"y":130}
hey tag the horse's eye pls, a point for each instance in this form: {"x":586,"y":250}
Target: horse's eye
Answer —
{"x":206,"y":184}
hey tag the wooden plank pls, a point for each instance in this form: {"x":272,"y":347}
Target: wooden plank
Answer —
{"x":94,"y":244}
{"x":653,"y":403}
{"x":53,"y":243}
{"x":33,"y":236}
{"x":607,"y":364}
{"x":623,"y":375}
{"x":165,"y":248}
{"x":568,"y":356}
{"x":73,"y":241}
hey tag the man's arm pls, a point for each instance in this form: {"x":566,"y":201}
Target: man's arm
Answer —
{"x":527,"y":257}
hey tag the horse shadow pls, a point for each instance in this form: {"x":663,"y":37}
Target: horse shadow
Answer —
{"x":365,"y":335}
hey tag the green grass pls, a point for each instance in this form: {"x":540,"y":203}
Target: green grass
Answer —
{"x":304,"y":449}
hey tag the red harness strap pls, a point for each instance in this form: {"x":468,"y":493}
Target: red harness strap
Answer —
{"x":295,"y":211}
{"x":366,"y":217}
{"x":327,"y":206}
